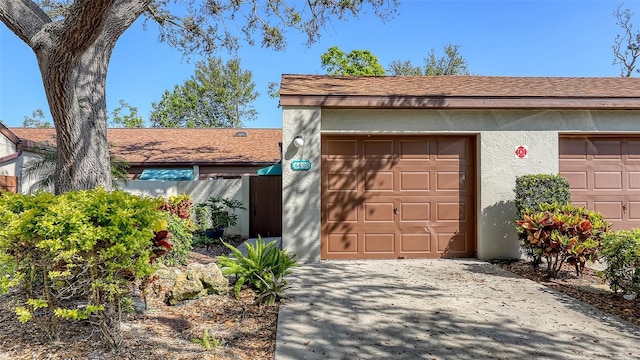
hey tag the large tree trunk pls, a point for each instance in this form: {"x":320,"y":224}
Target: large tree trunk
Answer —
{"x":73,"y":55}
{"x":76,"y":96}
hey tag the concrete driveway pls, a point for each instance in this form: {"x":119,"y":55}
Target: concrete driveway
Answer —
{"x":439,"y":309}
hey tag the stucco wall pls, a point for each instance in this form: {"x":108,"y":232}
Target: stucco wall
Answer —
{"x":301,"y":189}
{"x":200,"y":191}
{"x":498,"y":132}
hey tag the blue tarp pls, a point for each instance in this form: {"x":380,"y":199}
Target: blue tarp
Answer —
{"x":271,"y":170}
{"x":167,"y":174}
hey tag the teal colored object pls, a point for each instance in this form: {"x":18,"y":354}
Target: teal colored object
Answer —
{"x":167,"y":174}
{"x":271,"y":170}
{"x":300,"y":165}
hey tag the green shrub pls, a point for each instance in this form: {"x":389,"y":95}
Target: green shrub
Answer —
{"x":263,"y":269}
{"x":181,"y":241}
{"x":562,"y":233}
{"x":533,"y":190}
{"x":76,"y":255}
{"x":621,"y":251}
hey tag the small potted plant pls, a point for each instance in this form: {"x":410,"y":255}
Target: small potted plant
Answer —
{"x":221,"y":215}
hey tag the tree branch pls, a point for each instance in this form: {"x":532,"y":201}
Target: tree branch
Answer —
{"x":24,"y":18}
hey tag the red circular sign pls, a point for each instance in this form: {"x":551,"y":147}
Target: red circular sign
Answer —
{"x":521,"y":152}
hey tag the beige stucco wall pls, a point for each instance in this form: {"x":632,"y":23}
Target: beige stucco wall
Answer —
{"x":200,"y":191}
{"x":301,"y":189}
{"x":7,"y":148}
{"x":497,"y":134}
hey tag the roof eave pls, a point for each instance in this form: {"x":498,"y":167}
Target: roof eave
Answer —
{"x":446,"y":102}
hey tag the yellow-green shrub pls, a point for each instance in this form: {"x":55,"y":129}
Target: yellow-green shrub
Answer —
{"x":76,"y":255}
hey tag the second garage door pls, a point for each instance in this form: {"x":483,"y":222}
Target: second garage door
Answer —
{"x":604,"y":175}
{"x":397,"y":197}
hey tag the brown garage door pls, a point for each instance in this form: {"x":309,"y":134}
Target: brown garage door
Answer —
{"x":397,"y":196}
{"x":604,"y":175}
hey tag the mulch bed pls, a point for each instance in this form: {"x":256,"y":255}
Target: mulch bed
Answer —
{"x":242,"y":329}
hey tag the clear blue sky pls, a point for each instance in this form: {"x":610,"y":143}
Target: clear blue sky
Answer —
{"x":498,"y":38}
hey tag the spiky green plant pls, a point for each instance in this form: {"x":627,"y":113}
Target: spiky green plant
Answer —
{"x":264,"y":261}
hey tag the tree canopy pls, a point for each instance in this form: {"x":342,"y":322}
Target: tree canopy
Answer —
{"x":355,"y":63}
{"x":217,"y":95}
{"x":451,"y":63}
{"x":73,"y":41}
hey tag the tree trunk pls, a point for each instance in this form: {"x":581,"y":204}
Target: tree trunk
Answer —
{"x":76,"y":97}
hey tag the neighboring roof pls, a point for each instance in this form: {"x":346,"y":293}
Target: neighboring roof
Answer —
{"x":182,"y":146}
{"x":462,"y":92}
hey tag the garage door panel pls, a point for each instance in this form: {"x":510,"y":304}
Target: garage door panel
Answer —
{"x":339,"y":213}
{"x":607,"y":180}
{"x":415,"y":150}
{"x":384,"y":199}
{"x":415,"y":181}
{"x":611,"y":210}
{"x":632,"y":150}
{"x":573,"y":149}
{"x":450,"y":212}
{"x":378,"y":149}
{"x":379,"y":212}
{"x":415,"y":212}
{"x":634,"y":180}
{"x":633,"y":207}
{"x":612,"y":168}
{"x":416,"y":243}
{"x":607,"y":149}
{"x":342,"y":243}
{"x":341,"y":149}
{"x":577,"y":179}
{"x":342,"y":181}
{"x":379,"y":243}
{"x":379,"y":181}
{"x":452,"y":242}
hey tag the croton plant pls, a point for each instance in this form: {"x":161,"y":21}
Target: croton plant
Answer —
{"x":562,"y":234}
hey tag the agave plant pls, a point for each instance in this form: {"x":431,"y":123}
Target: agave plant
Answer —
{"x":42,"y":169}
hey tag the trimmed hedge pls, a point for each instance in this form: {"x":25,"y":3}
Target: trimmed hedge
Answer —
{"x":533,"y":190}
{"x":621,"y":252}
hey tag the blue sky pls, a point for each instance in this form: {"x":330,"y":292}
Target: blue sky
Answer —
{"x":498,"y":38}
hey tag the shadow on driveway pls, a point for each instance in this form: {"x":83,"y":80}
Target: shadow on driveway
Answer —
{"x":439,"y":309}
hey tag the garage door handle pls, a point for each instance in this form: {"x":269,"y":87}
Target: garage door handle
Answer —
{"x":396,"y":211}
{"x":624,"y":209}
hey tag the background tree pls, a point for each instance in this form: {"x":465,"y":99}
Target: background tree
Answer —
{"x":217,"y":95}
{"x":36,"y":120}
{"x":126,"y":116}
{"x":73,"y":42}
{"x":626,"y":46}
{"x":355,"y":63}
{"x":451,"y":63}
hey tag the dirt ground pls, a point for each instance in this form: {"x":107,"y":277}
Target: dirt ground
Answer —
{"x":238,"y":328}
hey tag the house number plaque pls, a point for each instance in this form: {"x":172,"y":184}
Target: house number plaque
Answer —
{"x":300,"y":165}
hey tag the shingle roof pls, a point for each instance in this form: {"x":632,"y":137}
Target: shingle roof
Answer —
{"x":460,"y":92}
{"x":182,"y":146}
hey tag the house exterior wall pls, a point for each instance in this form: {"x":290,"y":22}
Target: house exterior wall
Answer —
{"x":301,"y":189}
{"x":7,"y":147}
{"x":498,"y":132}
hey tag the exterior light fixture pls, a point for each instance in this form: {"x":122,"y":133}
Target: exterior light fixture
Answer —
{"x":298,"y":141}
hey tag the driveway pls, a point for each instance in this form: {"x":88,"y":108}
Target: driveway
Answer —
{"x":439,"y":309}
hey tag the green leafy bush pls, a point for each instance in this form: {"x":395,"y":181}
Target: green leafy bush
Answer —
{"x":220,"y":213}
{"x":263,"y":269}
{"x":178,"y":217}
{"x":77,"y":255}
{"x":533,"y":190}
{"x":562,"y":233}
{"x":621,"y":252}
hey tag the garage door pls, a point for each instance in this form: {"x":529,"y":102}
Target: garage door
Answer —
{"x":397,"y":197}
{"x":604,"y":175}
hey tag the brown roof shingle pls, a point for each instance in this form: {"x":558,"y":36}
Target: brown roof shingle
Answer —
{"x":460,"y":92}
{"x":182,"y":146}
